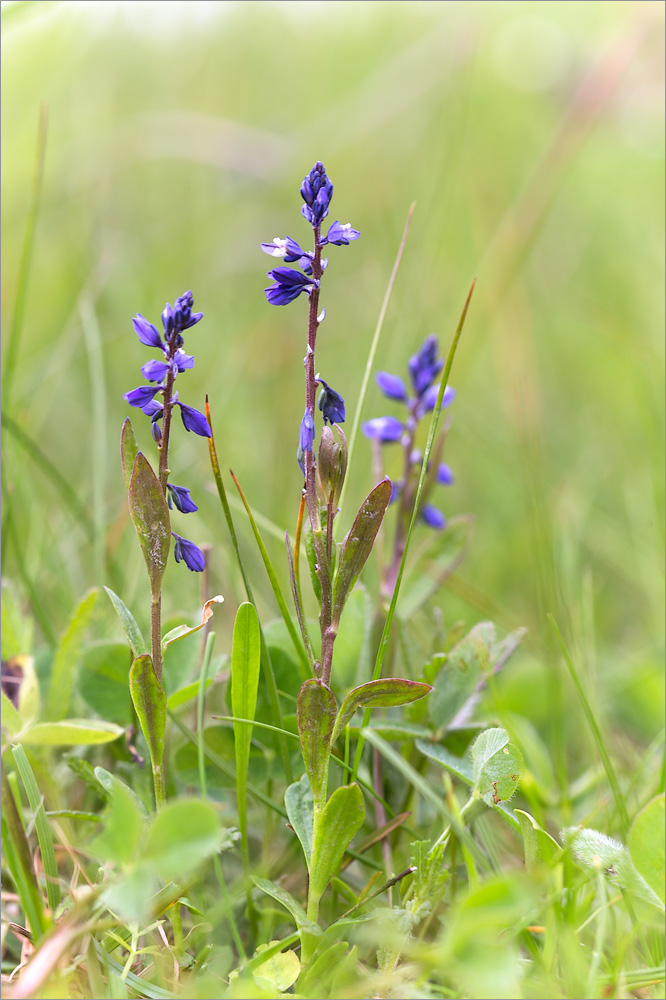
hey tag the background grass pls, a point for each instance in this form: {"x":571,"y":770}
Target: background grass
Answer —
{"x":530,"y":136}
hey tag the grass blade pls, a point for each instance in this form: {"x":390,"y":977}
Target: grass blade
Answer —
{"x":11,"y":353}
{"x":93,"y":341}
{"x":16,"y":854}
{"x":373,"y":348}
{"x":44,"y":835}
{"x":596,"y":732}
{"x":245,"y":659}
{"x":279,"y":597}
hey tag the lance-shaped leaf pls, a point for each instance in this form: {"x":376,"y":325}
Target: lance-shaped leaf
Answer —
{"x":339,"y":823}
{"x":288,"y":901}
{"x":358,"y":543}
{"x":128,"y":450}
{"x":149,"y":700}
{"x":300,"y":809}
{"x":383,"y":693}
{"x":245,"y":661}
{"x":149,"y":511}
{"x":315,"y":713}
{"x":497,"y":765}
{"x":128,"y":622}
{"x":603,"y":855}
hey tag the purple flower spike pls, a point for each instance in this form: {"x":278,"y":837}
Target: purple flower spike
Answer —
{"x":331,"y":404}
{"x":433,"y":517}
{"x":194,"y":420}
{"x":154,"y":371}
{"x":341,"y":234}
{"x":146,"y":332}
{"x":384,"y":429}
{"x":392,"y":386}
{"x":316,"y":192}
{"x":444,"y":475}
{"x":190,"y":553}
{"x":288,"y":285}
{"x":180,"y":495}
{"x":141,"y":396}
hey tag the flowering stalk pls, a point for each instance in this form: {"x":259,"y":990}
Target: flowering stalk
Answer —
{"x":316,"y":191}
{"x":150,"y":498}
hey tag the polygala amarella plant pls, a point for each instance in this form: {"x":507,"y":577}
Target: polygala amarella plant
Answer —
{"x":335,"y":569}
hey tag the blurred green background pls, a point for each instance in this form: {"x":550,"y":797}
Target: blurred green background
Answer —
{"x":530,"y":136}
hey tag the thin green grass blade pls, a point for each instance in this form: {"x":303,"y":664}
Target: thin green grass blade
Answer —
{"x":201,"y":702}
{"x":98,"y":424}
{"x":61,"y":682}
{"x":245,"y":660}
{"x":16,"y":855}
{"x":279,"y":596}
{"x":11,"y":354}
{"x":10,"y":532}
{"x":44,"y":835}
{"x":373,"y":349}
{"x":595,"y":730}
{"x":381,"y":652}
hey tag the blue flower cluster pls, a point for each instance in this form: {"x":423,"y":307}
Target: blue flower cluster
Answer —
{"x":162,"y":373}
{"x":289,"y":283}
{"x":424,"y":367}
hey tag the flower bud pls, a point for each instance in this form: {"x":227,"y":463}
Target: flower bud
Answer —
{"x":332,"y":462}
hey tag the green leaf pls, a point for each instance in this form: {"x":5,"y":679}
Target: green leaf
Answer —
{"x":317,"y":977}
{"x":335,"y":829}
{"x":288,"y":901}
{"x":17,"y":627}
{"x":110,"y":782}
{"x":299,"y":804}
{"x":312,"y":559}
{"x":357,"y":544}
{"x":646,"y":845}
{"x":11,"y":720}
{"x":71,"y":732}
{"x":278,"y":972}
{"x":17,"y":856}
{"x":540,"y":848}
{"x":245,"y":661}
{"x":150,"y":705}
{"x":497,"y":765}
{"x":185,"y":694}
{"x":44,"y":835}
{"x":602,"y":854}
{"x":315,"y":713}
{"x":150,"y":514}
{"x":128,"y":452}
{"x":183,"y":834}
{"x":123,"y":824}
{"x":383,"y":693}
{"x":130,"y":627}
{"x":459,"y":766}
{"x":61,"y":682}
{"x":103,"y":681}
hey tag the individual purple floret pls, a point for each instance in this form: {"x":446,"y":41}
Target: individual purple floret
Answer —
{"x":340,"y":234}
{"x":179,"y":497}
{"x":433,"y":516}
{"x":384,"y":429}
{"x":288,"y":286}
{"x":190,"y":553}
{"x":194,"y":420}
{"x":331,"y":404}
